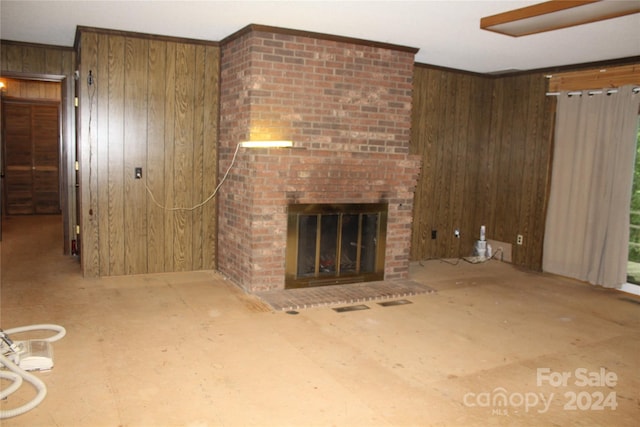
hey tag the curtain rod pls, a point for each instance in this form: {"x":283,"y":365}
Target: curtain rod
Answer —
{"x":591,"y":92}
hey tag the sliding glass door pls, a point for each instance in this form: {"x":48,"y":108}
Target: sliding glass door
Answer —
{"x":633,"y":266}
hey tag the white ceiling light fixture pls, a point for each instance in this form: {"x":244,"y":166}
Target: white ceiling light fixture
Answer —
{"x":556,"y":14}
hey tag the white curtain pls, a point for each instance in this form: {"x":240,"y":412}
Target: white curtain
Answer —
{"x":587,"y":228}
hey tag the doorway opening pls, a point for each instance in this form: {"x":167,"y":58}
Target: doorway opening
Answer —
{"x":633,"y":261}
{"x":36,"y":162}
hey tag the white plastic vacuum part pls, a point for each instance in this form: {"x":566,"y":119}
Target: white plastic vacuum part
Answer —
{"x":17,"y":358}
{"x":35,"y":355}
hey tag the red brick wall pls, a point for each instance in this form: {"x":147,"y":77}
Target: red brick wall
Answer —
{"x":347,"y":107}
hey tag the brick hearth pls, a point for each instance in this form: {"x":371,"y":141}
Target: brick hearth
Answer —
{"x":346,"y":104}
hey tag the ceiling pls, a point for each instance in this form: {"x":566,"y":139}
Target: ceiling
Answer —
{"x":447,"y":33}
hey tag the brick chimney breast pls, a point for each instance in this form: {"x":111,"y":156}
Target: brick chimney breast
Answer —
{"x":346,"y":105}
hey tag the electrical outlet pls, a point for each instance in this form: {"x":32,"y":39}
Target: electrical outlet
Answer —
{"x":434,"y":234}
{"x":456,"y":233}
{"x":519,"y":239}
{"x":138,"y":173}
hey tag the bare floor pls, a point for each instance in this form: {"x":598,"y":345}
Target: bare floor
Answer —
{"x":493,"y":346}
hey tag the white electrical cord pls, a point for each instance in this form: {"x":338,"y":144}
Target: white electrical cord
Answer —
{"x":61,"y":331}
{"x":17,"y":382}
{"x":35,"y":381}
{"x":224,"y":177}
{"x":17,"y":374}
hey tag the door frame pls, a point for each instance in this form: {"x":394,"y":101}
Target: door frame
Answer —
{"x":633,"y":288}
{"x":67,"y":151}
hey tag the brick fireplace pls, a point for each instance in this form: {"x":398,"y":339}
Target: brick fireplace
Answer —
{"x":346,"y":104}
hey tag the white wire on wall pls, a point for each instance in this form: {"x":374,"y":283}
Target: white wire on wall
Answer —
{"x":91,"y":85}
{"x":205,"y":201}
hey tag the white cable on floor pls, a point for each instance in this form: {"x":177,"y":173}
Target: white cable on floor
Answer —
{"x":17,"y":382}
{"x":61,"y":331}
{"x":35,"y":381}
{"x":17,"y":374}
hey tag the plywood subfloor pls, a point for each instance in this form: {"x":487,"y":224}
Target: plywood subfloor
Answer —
{"x":191,"y":349}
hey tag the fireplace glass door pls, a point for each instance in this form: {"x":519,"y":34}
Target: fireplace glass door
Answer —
{"x":331,"y":244}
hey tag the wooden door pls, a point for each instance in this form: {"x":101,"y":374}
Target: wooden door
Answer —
{"x":31,"y":156}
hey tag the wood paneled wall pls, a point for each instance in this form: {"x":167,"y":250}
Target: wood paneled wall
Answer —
{"x":33,"y":89}
{"x":485,"y":144}
{"x":450,"y":129}
{"x":36,"y":60}
{"x":153,"y":104}
{"x":53,"y":63}
{"x":519,"y":165}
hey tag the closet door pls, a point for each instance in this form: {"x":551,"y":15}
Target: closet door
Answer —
{"x":46,"y":178}
{"x":31,"y":132}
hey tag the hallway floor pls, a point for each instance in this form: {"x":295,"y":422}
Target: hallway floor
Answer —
{"x":493,"y":346}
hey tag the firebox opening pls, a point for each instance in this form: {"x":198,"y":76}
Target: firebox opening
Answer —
{"x":330,"y":244}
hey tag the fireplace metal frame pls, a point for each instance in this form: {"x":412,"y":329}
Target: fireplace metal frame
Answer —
{"x":295,"y":211}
